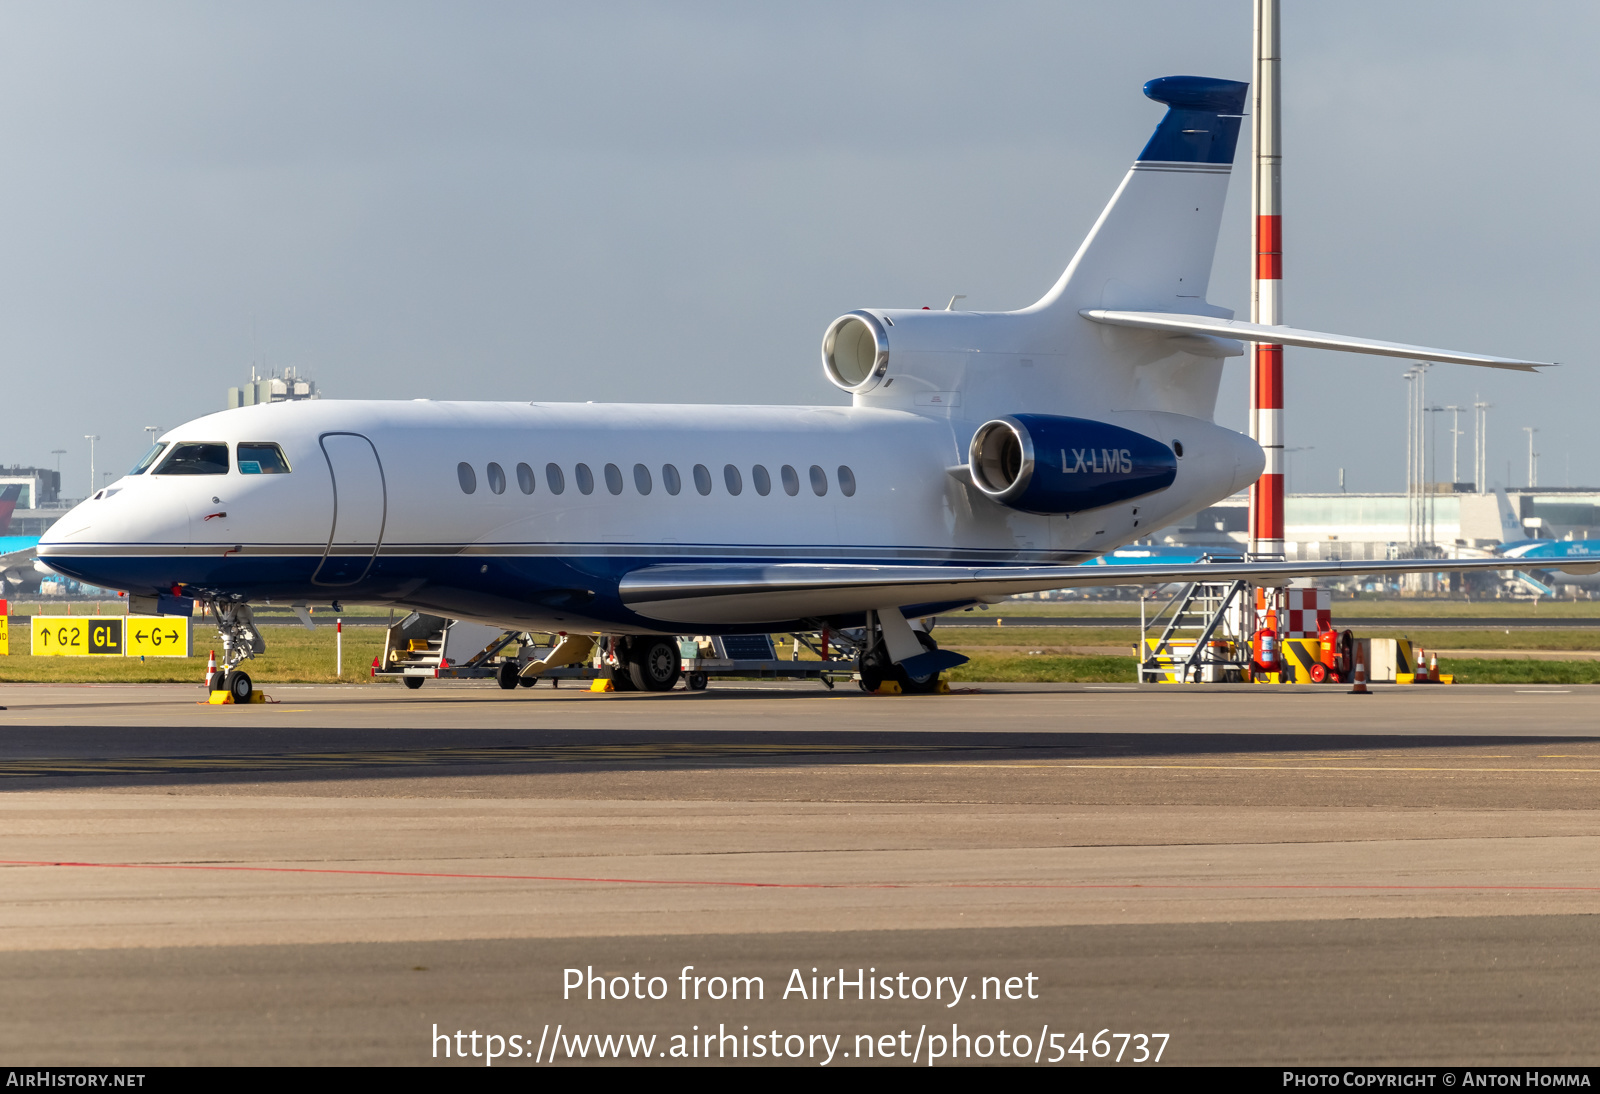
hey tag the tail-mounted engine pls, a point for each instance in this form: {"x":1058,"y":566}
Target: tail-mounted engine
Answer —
{"x":855,"y":352}
{"x":1045,"y":463}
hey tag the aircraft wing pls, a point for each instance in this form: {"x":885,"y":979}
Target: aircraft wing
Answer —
{"x":1292,"y":336}
{"x":12,"y":559}
{"x":758,"y":593}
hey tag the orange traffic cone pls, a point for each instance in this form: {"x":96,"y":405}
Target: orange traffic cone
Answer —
{"x":1433,"y":668}
{"x":1359,"y":685}
{"x":211,"y":669}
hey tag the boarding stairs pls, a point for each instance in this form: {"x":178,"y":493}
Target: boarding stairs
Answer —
{"x":432,"y":646}
{"x":1205,"y":637}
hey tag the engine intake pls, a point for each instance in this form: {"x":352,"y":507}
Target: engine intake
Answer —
{"x":855,"y":352}
{"x":1046,"y":463}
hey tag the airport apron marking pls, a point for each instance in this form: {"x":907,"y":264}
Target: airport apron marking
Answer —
{"x":924,"y":885}
{"x":670,"y":752}
{"x":453,"y":757}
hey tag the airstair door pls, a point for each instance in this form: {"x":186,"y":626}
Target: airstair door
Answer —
{"x":360,"y":505}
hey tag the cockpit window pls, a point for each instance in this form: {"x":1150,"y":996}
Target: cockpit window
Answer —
{"x":195,"y":459}
{"x":149,"y":458}
{"x":261,"y":458}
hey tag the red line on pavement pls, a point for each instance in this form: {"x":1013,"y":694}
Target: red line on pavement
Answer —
{"x":1085,"y":886}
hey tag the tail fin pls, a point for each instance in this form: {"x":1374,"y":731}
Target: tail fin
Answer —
{"x":1510,"y":521}
{"x":1153,"y":245}
{"x":8,"y":505}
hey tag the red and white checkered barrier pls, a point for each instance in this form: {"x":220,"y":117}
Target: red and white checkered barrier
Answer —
{"x":1306,"y":613}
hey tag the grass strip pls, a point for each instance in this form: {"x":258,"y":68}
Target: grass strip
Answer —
{"x":1064,"y":669}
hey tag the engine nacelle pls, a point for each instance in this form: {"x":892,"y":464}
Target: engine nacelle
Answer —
{"x":1046,"y":463}
{"x":855,"y":352}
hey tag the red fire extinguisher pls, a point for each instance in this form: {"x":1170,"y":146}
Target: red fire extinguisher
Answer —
{"x":1264,"y":646}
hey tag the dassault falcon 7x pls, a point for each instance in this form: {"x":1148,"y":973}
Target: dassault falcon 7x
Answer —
{"x":983,"y":454}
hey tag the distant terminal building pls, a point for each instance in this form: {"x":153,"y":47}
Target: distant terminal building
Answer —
{"x":288,"y":388}
{"x":1447,"y":521}
{"x":41,"y":487}
{"x":1363,"y":527}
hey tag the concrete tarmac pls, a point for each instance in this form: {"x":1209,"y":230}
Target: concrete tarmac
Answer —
{"x":1266,"y":875}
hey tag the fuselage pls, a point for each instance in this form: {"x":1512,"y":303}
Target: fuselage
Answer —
{"x":527,"y":515}
{"x":1543,"y":556}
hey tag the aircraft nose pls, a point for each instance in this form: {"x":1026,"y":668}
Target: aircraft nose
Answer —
{"x":75,"y":525}
{"x":116,"y":541}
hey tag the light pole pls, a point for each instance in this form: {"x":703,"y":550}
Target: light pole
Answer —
{"x":1431,"y":461}
{"x":1533,"y":458}
{"x":1480,"y":450}
{"x":91,"y":438}
{"x":58,"y":453}
{"x":152,"y":430}
{"x":1455,"y":445}
{"x":1416,"y":452}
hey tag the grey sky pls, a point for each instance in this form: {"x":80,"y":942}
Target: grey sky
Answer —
{"x":670,"y":201}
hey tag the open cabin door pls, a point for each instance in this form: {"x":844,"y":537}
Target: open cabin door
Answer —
{"x":360,"y":506}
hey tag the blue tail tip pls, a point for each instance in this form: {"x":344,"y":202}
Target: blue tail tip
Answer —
{"x":1199,"y":93}
{"x":1202,"y":121}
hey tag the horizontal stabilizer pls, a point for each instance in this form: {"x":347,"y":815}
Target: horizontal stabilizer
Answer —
{"x":738,"y":593}
{"x":1291,"y":336}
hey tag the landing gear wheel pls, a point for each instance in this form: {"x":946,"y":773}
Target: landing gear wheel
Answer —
{"x":654,"y":664}
{"x":696,"y":681}
{"x":874,"y":668}
{"x":506,"y":675}
{"x":412,"y":682}
{"x":219,"y":681}
{"x":527,"y":681}
{"x":239,"y":686}
{"x":919,"y":685}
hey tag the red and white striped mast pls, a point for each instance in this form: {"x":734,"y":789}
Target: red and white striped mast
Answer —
{"x":1266,"y":298}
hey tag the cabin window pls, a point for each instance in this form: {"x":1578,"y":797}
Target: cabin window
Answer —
{"x":585,"y":478}
{"x":613,"y":478}
{"x":261,"y":458}
{"x":791,"y":480}
{"x":819,"y":481}
{"x":467,"y":477}
{"x":732,"y":479}
{"x":195,"y":459}
{"x":148,"y":458}
{"x":554,"y":478}
{"x":497,"y":478}
{"x":762,"y":480}
{"x":525,"y":479}
{"x":670,"y":479}
{"x":702,"y":478}
{"x":847,"y":481}
{"x":641,"y":478}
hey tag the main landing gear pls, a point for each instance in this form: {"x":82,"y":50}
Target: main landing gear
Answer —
{"x":645,"y":663}
{"x":875,"y":667}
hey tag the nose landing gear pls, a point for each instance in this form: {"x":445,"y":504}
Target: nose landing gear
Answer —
{"x":241,"y":640}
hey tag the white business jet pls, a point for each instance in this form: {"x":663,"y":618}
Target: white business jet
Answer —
{"x":983,"y":454}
